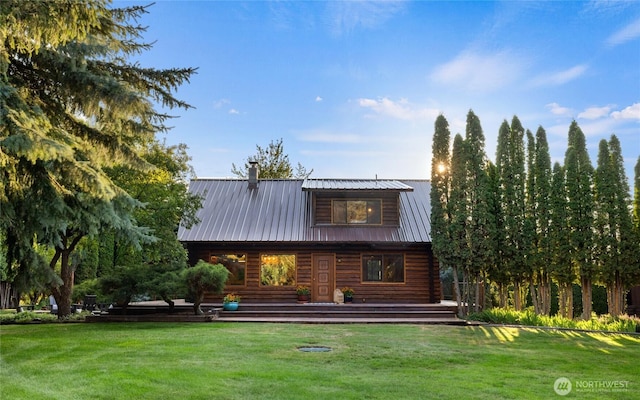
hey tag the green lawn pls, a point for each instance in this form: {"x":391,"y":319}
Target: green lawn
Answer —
{"x":261,"y":361}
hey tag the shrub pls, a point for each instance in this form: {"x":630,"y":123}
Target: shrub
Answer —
{"x":203,"y":278}
{"x":528,"y":317}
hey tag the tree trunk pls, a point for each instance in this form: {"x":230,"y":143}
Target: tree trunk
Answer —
{"x":199,"y":298}
{"x":503,"y":294}
{"x":7,"y":295}
{"x":615,"y":296}
{"x":62,"y":293}
{"x":586,"y":298}
{"x":456,"y":290}
{"x":565,"y":300}
{"x":541,"y":294}
{"x":517,"y":296}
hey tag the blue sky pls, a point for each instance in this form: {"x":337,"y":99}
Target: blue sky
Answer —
{"x":354,"y":88}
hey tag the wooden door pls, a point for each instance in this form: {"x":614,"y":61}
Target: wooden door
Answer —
{"x":323,"y":282}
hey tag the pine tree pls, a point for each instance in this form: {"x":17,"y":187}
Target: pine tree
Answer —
{"x":72,"y":106}
{"x":580,"y":206}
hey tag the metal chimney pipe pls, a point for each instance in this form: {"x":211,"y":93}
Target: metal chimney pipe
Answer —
{"x":253,"y":174}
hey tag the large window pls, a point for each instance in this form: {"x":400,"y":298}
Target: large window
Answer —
{"x":358,"y":212}
{"x":278,"y":270}
{"x":383,"y":268}
{"x":235,"y":263}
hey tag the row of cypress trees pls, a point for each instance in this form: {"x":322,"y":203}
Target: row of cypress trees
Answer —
{"x":521,"y":223}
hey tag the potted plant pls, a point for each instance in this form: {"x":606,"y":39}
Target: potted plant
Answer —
{"x":230,"y":302}
{"x":348,"y":294}
{"x":303,"y":293}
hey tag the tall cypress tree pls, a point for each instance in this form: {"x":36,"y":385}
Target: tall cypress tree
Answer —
{"x":561,"y":267}
{"x":510,"y":162}
{"x":539,"y":219}
{"x":457,"y":227}
{"x":479,"y":221}
{"x":635,"y":276}
{"x":614,"y":226}
{"x":440,"y":180}
{"x":72,"y":106}
{"x":580,"y":206}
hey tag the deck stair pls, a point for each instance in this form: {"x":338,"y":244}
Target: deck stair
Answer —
{"x":344,"y":313}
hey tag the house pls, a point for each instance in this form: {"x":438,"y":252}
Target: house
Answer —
{"x":371,"y":235}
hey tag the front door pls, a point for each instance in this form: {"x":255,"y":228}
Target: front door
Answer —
{"x":323,"y":284}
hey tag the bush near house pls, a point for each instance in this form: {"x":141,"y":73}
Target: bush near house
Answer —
{"x":528,"y":317}
{"x":203,"y":278}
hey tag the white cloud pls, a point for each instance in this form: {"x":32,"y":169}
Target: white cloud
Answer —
{"x":561,"y":77}
{"x":234,"y":111}
{"x":626,"y":34}
{"x":479,"y":72}
{"x":631,"y":112}
{"x":398,"y":109}
{"x":219,"y":103}
{"x":345,"y":16}
{"x":595,"y":112}
{"x":557,"y":109}
{"x":318,"y":99}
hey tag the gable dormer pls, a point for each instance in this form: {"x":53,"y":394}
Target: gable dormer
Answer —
{"x":355,"y":203}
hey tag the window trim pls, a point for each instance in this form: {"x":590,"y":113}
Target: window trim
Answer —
{"x":355,"y":199}
{"x":383,"y":254}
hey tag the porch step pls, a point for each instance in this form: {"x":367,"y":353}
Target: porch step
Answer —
{"x":344,"y":313}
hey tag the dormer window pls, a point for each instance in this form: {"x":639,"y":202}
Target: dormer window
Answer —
{"x":356,"y":212}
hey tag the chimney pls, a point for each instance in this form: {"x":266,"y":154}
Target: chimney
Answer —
{"x":253,"y":174}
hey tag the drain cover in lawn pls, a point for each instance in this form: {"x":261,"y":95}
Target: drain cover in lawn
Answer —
{"x":314,"y":349}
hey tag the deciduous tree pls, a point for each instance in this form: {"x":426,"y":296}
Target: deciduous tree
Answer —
{"x":273,"y":163}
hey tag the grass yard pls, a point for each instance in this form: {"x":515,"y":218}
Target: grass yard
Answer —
{"x":262,"y":361}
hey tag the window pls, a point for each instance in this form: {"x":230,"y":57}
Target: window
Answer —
{"x":382,"y":268}
{"x":278,"y":270}
{"x":235,"y":263}
{"x":357,"y":212}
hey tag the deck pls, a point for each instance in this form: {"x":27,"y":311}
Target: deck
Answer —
{"x":311,"y":313}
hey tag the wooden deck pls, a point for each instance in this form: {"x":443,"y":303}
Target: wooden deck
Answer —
{"x":311,"y":313}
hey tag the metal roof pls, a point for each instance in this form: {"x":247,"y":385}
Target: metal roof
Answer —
{"x":279,"y":210}
{"x":354,"y":184}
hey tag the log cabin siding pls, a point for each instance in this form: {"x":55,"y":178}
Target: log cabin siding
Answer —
{"x":322,"y":206}
{"x":416,"y":288}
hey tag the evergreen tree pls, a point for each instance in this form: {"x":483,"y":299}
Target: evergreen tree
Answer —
{"x":613,"y":224}
{"x":561,"y":267}
{"x":580,"y":207}
{"x":635,"y":276}
{"x":539,"y":219}
{"x":439,"y":195}
{"x":510,"y":163}
{"x":497,"y":272}
{"x":479,"y":223}
{"x":456,"y":212}
{"x":72,"y":106}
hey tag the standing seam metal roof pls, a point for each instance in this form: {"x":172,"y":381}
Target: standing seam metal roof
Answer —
{"x":279,"y":210}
